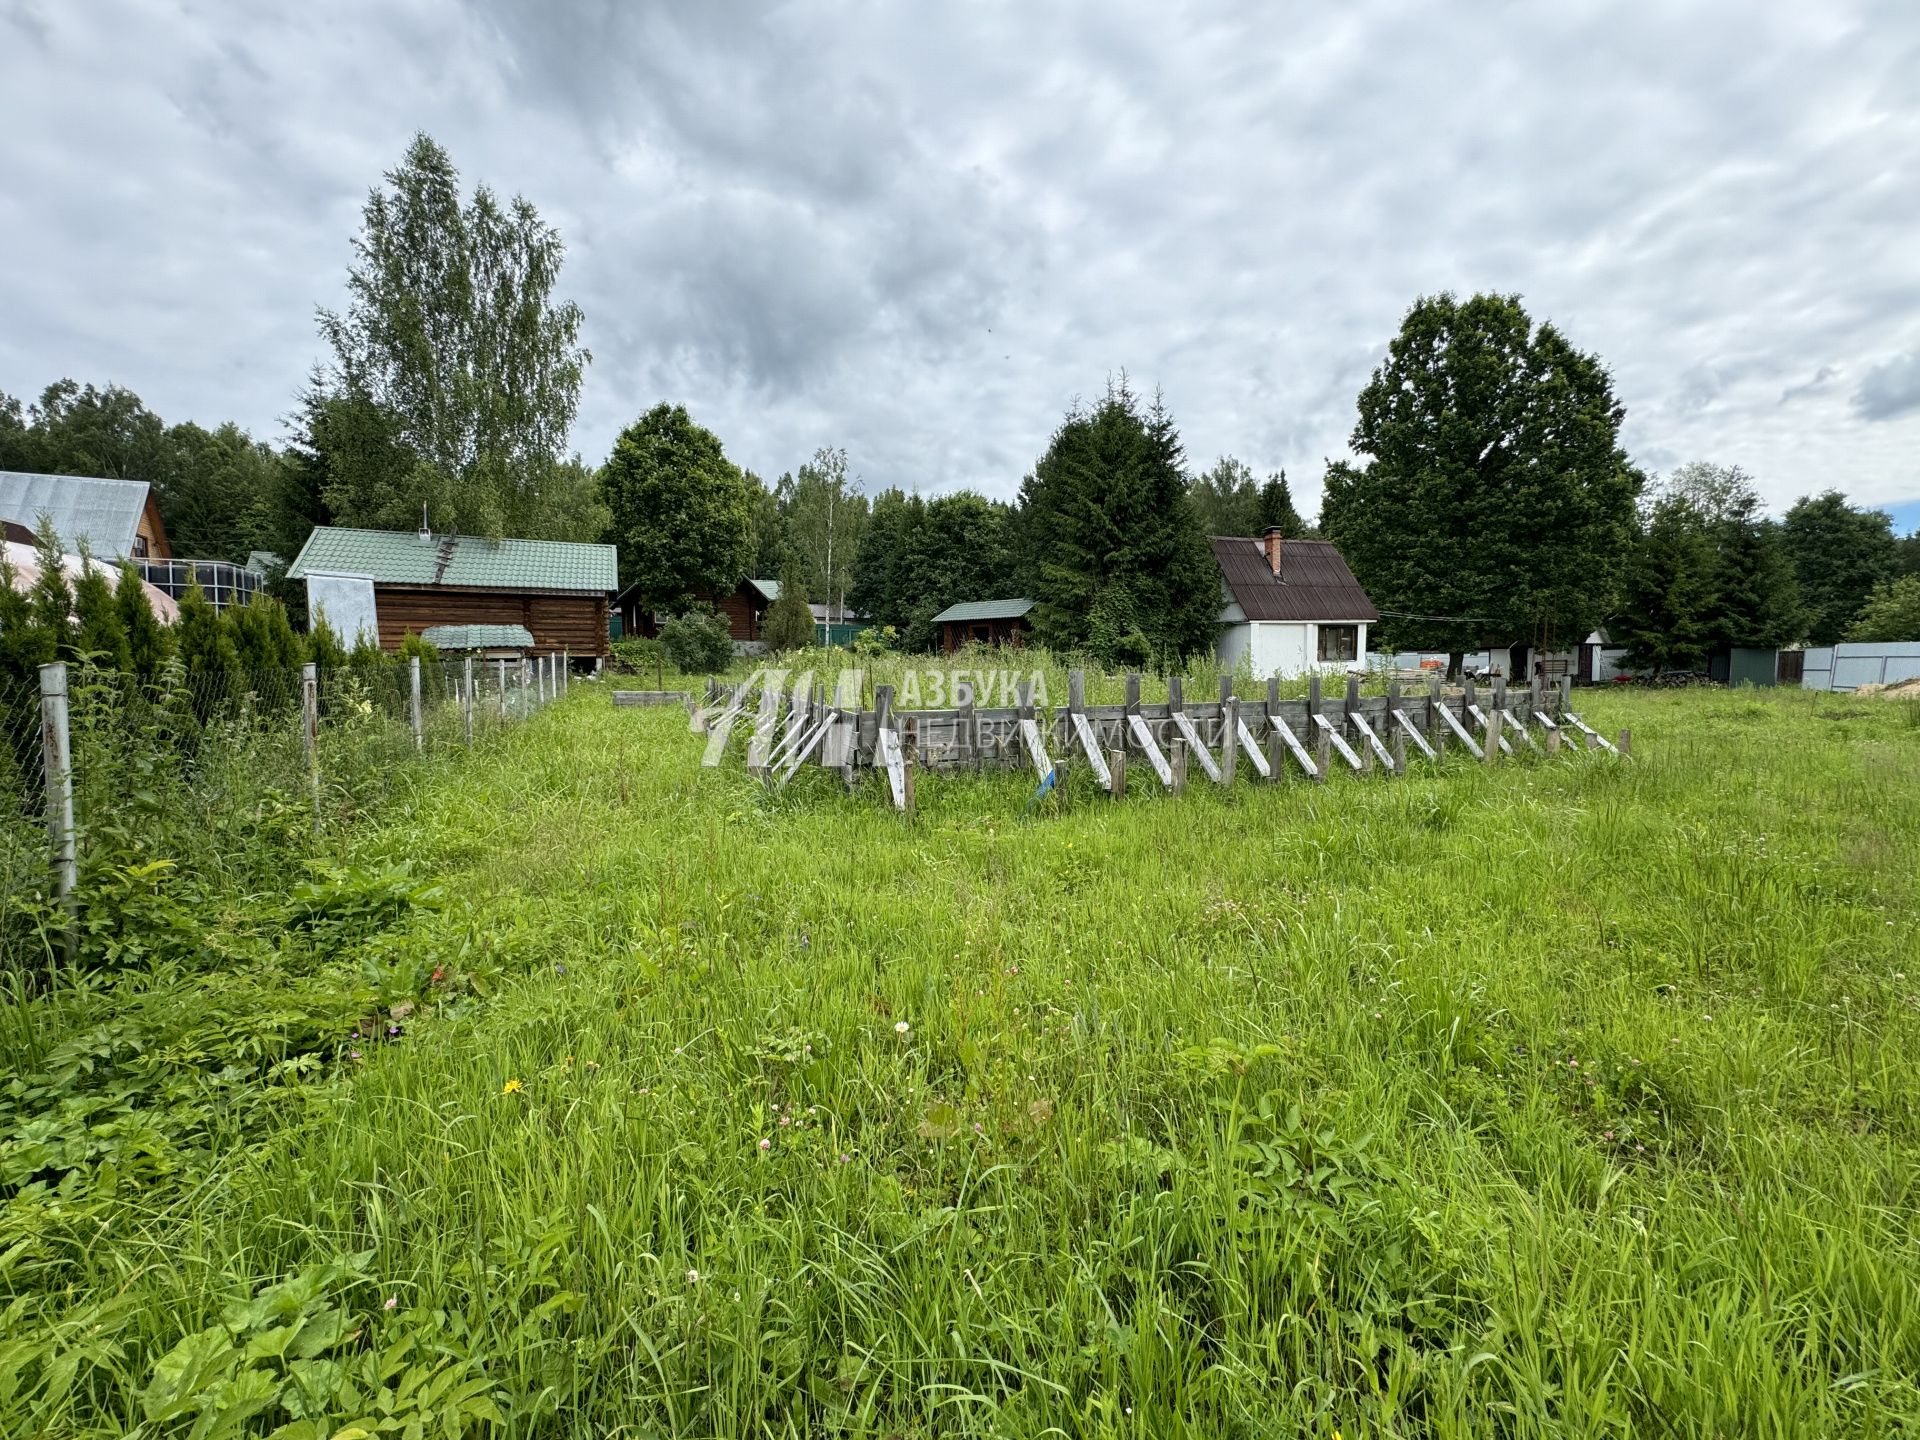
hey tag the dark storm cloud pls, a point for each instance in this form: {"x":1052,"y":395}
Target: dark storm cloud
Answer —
{"x":920,"y":231}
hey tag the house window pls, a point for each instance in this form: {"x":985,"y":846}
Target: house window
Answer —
{"x":1339,"y":642}
{"x":140,"y":547}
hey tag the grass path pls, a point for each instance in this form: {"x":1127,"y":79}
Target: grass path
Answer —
{"x":1571,"y":1100}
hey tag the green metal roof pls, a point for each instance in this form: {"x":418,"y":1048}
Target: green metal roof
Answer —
{"x":478,"y":637}
{"x":398,"y":557}
{"x":984,"y":610}
{"x":768,"y":588}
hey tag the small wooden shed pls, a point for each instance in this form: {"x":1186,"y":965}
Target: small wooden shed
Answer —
{"x":984,"y":622}
{"x":558,"y":590}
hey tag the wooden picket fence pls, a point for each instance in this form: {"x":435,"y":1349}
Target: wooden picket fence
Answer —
{"x":1315,"y":737}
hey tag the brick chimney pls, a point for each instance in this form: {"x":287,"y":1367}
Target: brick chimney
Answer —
{"x":1271,"y":542}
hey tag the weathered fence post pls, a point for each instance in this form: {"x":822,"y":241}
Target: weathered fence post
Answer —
{"x":1626,"y":742}
{"x":466,"y":697}
{"x":310,"y":732}
{"x":1229,"y":739}
{"x":56,"y":750}
{"x":413,"y":705}
{"x":1436,"y":730}
{"x":1117,"y":773}
{"x":503,"y":688}
{"x":1493,"y":738}
{"x":566,"y":671}
{"x":1322,"y":753}
{"x":1177,"y":760}
{"x":1399,"y":752}
{"x":909,"y":742}
{"x":1275,"y":747}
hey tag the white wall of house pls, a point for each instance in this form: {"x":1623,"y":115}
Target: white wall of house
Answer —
{"x":1287,"y":648}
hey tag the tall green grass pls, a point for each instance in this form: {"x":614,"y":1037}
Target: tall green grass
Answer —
{"x":1570,"y":1099}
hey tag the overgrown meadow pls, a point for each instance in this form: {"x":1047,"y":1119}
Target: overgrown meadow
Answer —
{"x":576,"y":1090}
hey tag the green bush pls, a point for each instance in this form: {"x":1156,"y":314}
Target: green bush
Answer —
{"x":698,"y":644}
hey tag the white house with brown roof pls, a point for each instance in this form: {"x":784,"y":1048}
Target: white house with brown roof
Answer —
{"x":1289,"y":607}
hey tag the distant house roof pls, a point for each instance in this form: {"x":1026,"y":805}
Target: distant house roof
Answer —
{"x":984,"y":610}
{"x":478,"y":637}
{"x":263,"y":562}
{"x":1314,"y":582}
{"x":104,"y":513}
{"x":400,"y":557}
{"x":768,"y":588}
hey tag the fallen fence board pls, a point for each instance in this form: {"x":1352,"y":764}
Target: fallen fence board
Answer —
{"x":1184,"y":724}
{"x":1037,"y":752}
{"x":1380,"y":751}
{"x":649,"y":697}
{"x":1245,"y":737}
{"x":1586,"y":729}
{"x":1143,"y":737}
{"x":814,"y":737}
{"x":1090,"y":744}
{"x":1292,"y":742}
{"x":1521,"y":726}
{"x":1464,"y":735}
{"x":1506,"y":747}
{"x":1333,"y":739}
{"x":886,"y":751}
{"x":1408,"y":728}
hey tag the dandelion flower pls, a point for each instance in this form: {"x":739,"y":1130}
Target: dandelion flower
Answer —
{"x":901,"y":1028}
{"x":512,"y":1087}
{"x":693,"y":1277}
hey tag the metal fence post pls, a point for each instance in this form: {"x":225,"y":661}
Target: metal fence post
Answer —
{"x":566,"y":671}
{"x":503,"y":688}
{"x":466,"y":697}
{"x":413,"y":682}
{"x":310,"y":732}
{"x":55,"y":743}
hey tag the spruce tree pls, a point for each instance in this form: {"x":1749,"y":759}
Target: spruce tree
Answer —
{"x":324,"y":648}
{"x":1276,"y":508}
{"x":1107,"y":503}
{"x":102,"y":631}
{"x":149,"y":643}
{"x":25,"y":645}
{"x":789,"y":623}
{"x":52,"y":595}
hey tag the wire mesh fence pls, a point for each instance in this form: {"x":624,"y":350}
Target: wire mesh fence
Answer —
{"x":223,"y":772}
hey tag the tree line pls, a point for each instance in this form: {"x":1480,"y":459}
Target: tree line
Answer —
{"x":1489,"y":500}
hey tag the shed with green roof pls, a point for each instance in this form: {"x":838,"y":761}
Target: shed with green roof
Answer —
{"x":555,"y":591}
{"x":984,"y":622}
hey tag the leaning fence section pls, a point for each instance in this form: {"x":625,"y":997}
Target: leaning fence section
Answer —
{"x":1220,"y":738}
{"x":197,"y":755}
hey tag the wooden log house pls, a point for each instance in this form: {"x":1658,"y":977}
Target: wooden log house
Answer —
{"x":558,"y":590}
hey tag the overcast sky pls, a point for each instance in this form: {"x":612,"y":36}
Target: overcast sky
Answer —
{"x":920,"y":230}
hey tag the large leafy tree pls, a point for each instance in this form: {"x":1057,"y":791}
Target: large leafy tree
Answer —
{"x":1492,"y":502}
{"x":1226,"y":499}
{"x":1892,"y":612}
{"x":682,"y":513}
{"x":455,"y":372}
{"x":1755,"y":592}
{"x":1106,"y":522}
{"x":919,"y":556}
{"x":1840,"y":553}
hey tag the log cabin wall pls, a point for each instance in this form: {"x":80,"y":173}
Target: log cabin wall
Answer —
{"x":559,"y":619}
